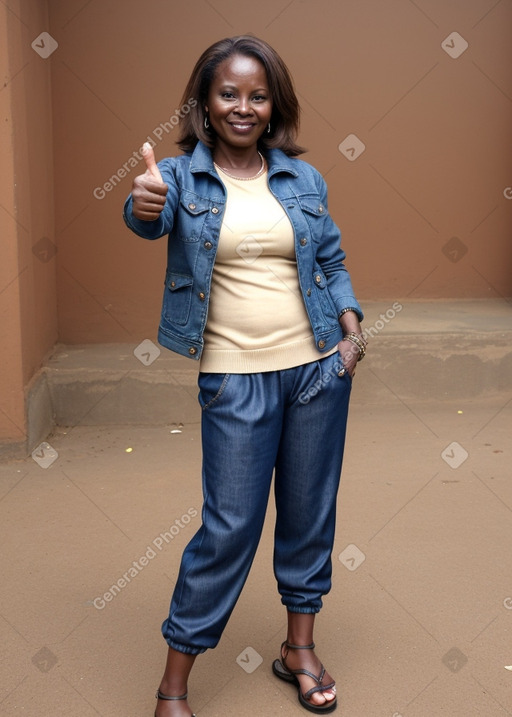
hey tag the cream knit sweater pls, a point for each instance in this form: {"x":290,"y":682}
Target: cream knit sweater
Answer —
{"x":257,"y":320}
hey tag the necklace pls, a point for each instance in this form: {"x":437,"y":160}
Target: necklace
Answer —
{"x":244,"y":179}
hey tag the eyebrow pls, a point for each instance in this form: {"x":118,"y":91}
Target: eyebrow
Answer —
{"x":234,"y":87}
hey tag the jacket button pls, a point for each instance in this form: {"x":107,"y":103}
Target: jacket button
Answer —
{"x":173,"y":284}
{"x":321,"y":344}
{"x":215,"y":210}
{"x":191,"y":206}
{"x":303,"y":241}
{"x":192,"y":351}
{"x":308,"y":292}
{"x":318,"y":278}
{"x":320,"y":209}
{"x":202,"y":296}
{"x":208,"y":245}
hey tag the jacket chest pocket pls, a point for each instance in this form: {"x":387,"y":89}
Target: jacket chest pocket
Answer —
{"x":177,"y":298}
{"x":192,"y":214}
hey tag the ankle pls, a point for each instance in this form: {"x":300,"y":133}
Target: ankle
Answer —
{"x":172,"y":687}
{"x":300,"y":628}
{"x":176,"y":673}
{"x":299,"y":644}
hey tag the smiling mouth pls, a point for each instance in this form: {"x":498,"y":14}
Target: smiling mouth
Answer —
{"x":242,"y":126}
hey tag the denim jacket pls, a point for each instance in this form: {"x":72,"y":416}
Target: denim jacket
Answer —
{"x":192,"y":217}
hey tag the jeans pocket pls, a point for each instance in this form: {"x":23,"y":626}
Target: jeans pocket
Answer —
{"x":211,"y":388}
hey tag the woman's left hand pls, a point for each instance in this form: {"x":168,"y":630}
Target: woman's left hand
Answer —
{"x":349,"y":354}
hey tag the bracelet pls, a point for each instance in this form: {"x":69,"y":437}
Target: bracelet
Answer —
{"x":362,"y":351}
{"x":344,"y":311}
{"x":357,"y":337}
{"x":359,"y":342}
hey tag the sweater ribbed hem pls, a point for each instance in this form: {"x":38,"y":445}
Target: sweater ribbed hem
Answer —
{"x":273,"y":358}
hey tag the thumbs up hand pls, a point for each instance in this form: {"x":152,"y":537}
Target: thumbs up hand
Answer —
{"x":149,"y":190}
{"x":149,"y":158}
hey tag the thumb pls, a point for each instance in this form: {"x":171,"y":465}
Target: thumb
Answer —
{"x":149,"y":158}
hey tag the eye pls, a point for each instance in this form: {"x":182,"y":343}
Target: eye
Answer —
{"x":227,"y":95}
{"x":259,"y":98}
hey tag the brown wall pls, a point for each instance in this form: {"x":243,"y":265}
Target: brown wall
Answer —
{"x":27,"y":270}
{"x":425,"y":210}
{"x":436,"y":130}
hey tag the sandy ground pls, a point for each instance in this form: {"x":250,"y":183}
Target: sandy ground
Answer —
{"x":419,"y":621}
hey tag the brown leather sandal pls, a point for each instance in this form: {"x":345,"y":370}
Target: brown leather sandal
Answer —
{"x":280,"y":669}
{"x":160,"y":696}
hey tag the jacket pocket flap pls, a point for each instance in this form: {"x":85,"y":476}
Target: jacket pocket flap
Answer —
{"x":194,"y":204}
{"x":312,"y":205}
{"x":178,"y":281}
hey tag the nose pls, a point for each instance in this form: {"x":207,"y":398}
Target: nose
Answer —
{"x":244,"y":107}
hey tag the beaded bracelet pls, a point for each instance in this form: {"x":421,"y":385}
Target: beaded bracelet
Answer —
{"x":344,"y":311}
{"x":358,"y":338}
{"x":359,"y":342}
{"x":355,"y":338}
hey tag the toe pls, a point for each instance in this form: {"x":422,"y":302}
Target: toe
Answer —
{"x":320,"y":698}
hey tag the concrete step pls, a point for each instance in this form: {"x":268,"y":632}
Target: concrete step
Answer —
{"x":418,"y":351}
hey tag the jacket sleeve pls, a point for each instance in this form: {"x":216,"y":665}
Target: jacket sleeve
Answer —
{"x":331,"y":258}
{"x":164,"y":224}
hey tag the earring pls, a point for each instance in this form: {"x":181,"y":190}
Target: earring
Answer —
{"x":206,"y":123}
{"x":268,"y":128}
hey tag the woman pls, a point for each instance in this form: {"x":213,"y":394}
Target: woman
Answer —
{"x":256,"y":290}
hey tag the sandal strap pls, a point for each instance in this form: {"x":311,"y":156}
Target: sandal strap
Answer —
{"x":319,"y":688}
{"x":318,"y":680}
{"x":289,"y":646}
{"x":160,"y":696}
{"x":298,"y":647}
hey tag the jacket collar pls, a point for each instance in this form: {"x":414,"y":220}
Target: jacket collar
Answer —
{"x":201,"y":161}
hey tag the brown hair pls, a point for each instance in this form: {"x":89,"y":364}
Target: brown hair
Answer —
{"x":284,"y":122}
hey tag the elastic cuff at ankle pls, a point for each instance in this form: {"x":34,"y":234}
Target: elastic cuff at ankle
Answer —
{"x":186,"y":649}
{"x":303,"y":610}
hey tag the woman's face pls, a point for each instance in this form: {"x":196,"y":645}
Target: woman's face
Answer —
{"x":239,"y":102}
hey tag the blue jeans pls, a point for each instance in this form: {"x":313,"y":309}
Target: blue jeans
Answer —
{"x":292,"y":421}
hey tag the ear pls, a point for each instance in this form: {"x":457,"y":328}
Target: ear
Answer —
{"x":206,"y":108}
